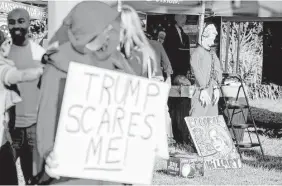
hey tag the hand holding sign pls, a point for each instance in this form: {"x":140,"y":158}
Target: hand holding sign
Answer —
{"x":51,"y":163}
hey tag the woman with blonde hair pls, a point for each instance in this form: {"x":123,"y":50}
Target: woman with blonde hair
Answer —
{"x":139,"y":50}
{"x":135,"y":45}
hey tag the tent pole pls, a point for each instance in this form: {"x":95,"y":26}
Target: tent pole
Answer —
{"x":201,"y":21}
{"x":238,"y":49}
{"x":227,"y":46}
{"x":119,"y":5}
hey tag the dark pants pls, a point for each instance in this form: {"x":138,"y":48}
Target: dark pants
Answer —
{"x":24,"y":140}
{"x":8,"y":170}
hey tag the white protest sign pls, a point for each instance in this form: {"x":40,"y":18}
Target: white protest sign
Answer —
{"x":110,"y":125}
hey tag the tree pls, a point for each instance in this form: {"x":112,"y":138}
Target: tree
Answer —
{"x":251,"y":49}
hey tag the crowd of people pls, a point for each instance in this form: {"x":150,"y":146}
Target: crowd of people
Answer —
{"x":32,"y":78}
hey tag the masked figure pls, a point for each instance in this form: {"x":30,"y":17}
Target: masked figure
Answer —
{"x":208,"y":75}
{"x":85,"y":38}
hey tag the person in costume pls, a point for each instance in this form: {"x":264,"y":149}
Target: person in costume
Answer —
{"x":85,"y":38}
{"x":208,"y":75}
{"x":9,"y":75}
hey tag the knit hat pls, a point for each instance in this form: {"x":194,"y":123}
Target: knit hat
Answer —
{"x":85,"y":21}
{"x":209,"y":30}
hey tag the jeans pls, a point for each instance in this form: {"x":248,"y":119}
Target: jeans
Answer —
{"x":8,"y":170}
{"x":24,"y":140}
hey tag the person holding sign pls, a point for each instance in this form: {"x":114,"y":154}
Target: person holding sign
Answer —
{"x":84,"y":38}
{"x":208,"y":75}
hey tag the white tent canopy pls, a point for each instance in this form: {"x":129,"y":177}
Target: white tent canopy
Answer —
{"x":219,"y":8}
{"x":57,"y":10}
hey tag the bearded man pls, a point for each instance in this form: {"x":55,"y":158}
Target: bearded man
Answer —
{"x":25,"y":54}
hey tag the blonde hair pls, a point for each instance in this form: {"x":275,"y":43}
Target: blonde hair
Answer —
{"x":133,"y":36}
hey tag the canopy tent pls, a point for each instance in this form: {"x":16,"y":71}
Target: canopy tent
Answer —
{"x":256,"y":8}
{"x":59,"y":9}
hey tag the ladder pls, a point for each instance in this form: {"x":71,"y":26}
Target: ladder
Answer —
{"x":237,"y":108}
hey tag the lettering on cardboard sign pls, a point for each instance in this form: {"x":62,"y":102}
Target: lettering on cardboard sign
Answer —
{"x":223,"y":164}
{"x":173,"y":166}
{"x":108,"y":146}
{"x":213,"y":141}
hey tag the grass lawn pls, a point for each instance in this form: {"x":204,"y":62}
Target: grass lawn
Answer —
{"x":255,"y":170}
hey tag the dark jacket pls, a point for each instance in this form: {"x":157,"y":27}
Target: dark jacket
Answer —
{"x":162,"y":58}
{"x":177,"y":51}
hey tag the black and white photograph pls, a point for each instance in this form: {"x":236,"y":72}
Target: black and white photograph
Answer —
{"x":147,"y":92}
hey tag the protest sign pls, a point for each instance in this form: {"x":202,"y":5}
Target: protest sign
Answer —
{"x":110,"y":125}
{"x":213,"y":142}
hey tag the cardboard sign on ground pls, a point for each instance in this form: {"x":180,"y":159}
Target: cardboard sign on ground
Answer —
{"x":110,"y":125}
{"x":213,"y":142}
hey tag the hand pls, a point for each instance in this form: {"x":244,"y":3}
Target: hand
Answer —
{"x":216,"y":95}
{"x":31,"y":74}
{"x":205,"y":98}
{"x":51,"y":163}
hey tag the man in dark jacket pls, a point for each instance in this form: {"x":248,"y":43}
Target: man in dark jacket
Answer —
{"x":177,"y":46}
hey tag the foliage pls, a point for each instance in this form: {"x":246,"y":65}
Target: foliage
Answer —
{"x":251,"y":49}
{"x":259,"y":91}
{"x":250,"y":57}
{"x":37,"y":30}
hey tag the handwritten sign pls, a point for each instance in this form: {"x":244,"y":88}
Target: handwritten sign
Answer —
{"x":110,"y":125}
{"x":213,"y":141}
{"x":34,"y":12}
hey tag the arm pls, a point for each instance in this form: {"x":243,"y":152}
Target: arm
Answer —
{"x":169,"y":45}
{"x":52,"y":57}
{"x":187,"y":42}
{"x":11,"y":75}
{"x":217,"y":69}
{"x":217,"y":79}
{"x":165,"y":62}
{"x":121,"y":63}
{"x":198,"y":68}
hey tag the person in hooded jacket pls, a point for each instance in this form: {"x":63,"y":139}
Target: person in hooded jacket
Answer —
{"x":85,"y":38}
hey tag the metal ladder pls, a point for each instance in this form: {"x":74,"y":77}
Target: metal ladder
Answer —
{"x":237,"y":106}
